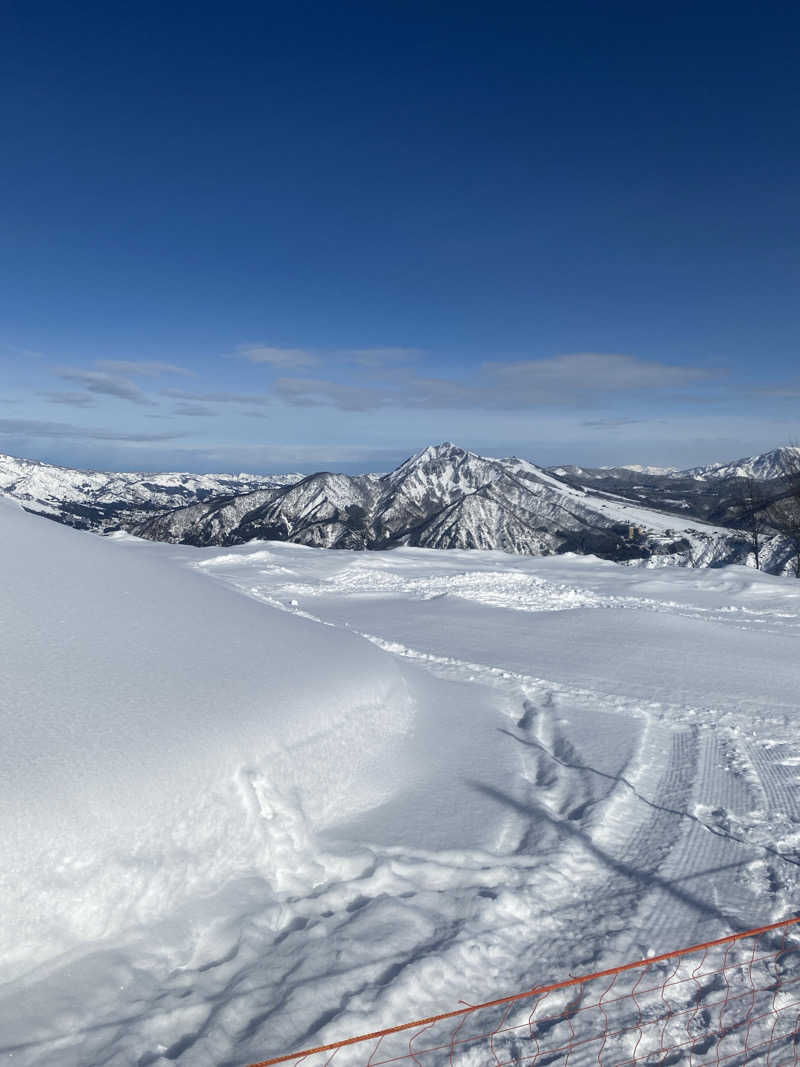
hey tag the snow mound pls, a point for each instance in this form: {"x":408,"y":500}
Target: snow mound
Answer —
{"x":154,"y":726}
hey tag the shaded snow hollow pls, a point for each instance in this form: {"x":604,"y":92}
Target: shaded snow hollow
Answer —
{"x":266,"y":796}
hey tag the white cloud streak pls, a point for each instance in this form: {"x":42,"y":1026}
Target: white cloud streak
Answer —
{"x":73,"y":400}
{"x":571,"y":380}
{"x":147,"y":368}
{"x":59,"y":430}
{"x":217,"y":397}
{"x":195,"y":410}
{"x":106,"y":385}
{"x":274,"y":356}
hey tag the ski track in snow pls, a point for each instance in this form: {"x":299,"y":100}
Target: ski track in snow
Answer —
{"x":676,"y":844}
{"x":631,"y":826}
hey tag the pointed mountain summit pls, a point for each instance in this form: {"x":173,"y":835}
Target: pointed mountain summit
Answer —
{"x":445,"y":452}
{"x":443,"y":497}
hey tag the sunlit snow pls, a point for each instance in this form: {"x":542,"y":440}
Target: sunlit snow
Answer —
{"x":268,"y":796}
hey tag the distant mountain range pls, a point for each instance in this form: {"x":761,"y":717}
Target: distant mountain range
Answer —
{"x":712,"y":492}
{"x":446,"y":497}
{"x":442,"y":497}
{"x":102,"y":501}
{"x":777,"y":463}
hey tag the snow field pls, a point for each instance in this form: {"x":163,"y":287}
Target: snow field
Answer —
{"x":271,"y":796}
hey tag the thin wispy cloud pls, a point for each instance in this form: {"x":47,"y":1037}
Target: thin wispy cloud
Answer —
{"x":597,"y":396}
{"x":73,"y":400}
{"x":278,"y":457}
{"x":610,"y":424}
{"x":217,"y":397}
{"x":147,"y":368}
{"x":571,"y":380}
{"x":389,"y":379}
{"x":375,"y":358}
{"x":592,"y":371}
{"x":788,"y":391}
{"x":273,"y":356}
{"x":195,"y":410}
{"x":106,"y":385}
{"x":57,"y":430}
{"x":319,"y":392}
{"x":19,"y":350}
{"x":401,"y":391}
{"x":371,"y":358}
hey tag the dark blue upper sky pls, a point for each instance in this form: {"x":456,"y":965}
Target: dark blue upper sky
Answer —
{"x":267,"y":236}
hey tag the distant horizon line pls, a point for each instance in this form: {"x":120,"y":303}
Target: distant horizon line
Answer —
{"x":284,"y":471}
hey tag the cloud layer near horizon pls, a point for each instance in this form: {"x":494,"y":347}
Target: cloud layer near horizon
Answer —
{"x":365,"y":380}
{"x":246,"y":409}
{"x":59,"y":430}
{"x":572,"y":380}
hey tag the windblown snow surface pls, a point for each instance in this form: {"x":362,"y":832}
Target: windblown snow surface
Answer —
{"x":269,"y":796}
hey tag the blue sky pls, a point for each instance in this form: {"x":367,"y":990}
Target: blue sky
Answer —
{"x":268,"y":237}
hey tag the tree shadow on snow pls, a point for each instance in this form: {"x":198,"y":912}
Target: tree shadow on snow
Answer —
{"x":646,"y":879}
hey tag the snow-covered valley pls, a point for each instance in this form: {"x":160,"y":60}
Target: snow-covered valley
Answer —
{"x":264,"y":796}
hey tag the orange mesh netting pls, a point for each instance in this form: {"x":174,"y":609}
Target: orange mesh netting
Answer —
{"x":731,"y":1001}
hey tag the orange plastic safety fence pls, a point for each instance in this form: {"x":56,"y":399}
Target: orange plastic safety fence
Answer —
{"x":731,"y":1001}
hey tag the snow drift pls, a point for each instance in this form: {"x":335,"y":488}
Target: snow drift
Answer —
{"x":149,"y":718}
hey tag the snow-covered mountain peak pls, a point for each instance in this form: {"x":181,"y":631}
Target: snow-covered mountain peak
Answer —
{"x":446,"y":452}
{"x":777,"y":463}
{"x":447,"y":459}
{"x":441,"y":497}
{"x":639,"y":468}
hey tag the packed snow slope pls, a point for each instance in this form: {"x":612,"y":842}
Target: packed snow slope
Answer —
{"x":265,"y":796}
{"x":447,"y":497}
{"x":102,"y":500}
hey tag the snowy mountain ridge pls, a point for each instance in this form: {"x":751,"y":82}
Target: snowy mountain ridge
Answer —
{"x":638,"y":468}
{"x":449,"y":498}
{"x":777,"y":463}
{"x":103,"y":500}
{"x":442,"y":497}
